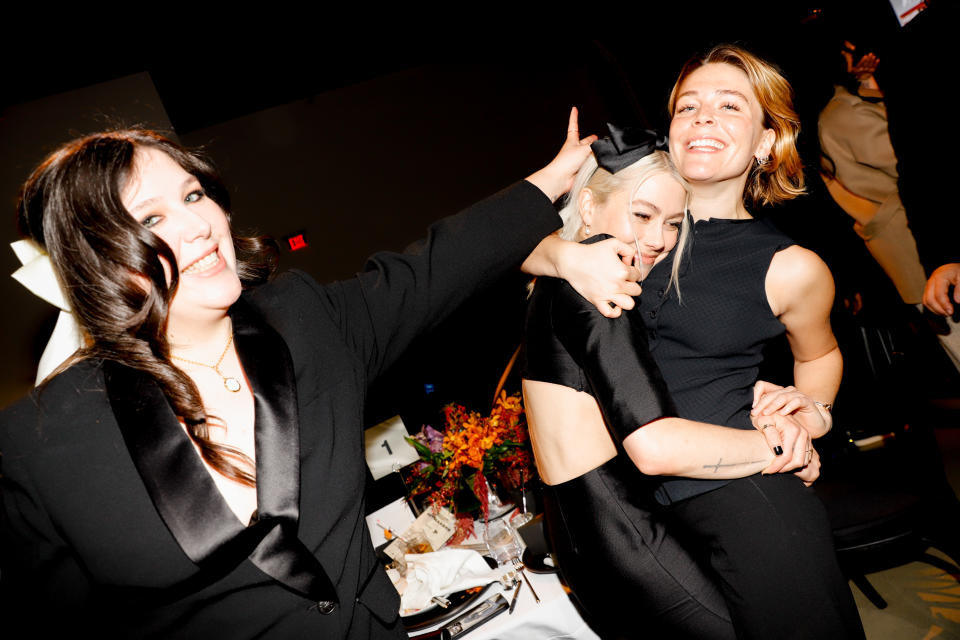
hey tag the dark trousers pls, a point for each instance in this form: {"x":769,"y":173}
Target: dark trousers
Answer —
{"x":770,"y":542}
{"x":634,"y":579}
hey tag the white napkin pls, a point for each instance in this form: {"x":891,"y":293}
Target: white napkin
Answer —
{"x":442,"y":572}
{"x":37,"y":275}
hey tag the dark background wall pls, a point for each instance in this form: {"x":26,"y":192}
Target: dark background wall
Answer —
{"x":360,"y":141}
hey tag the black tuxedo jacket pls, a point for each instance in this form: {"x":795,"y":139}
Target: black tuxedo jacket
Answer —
{"x":110,"y":522}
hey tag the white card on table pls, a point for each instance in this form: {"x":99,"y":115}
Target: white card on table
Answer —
{"x":386,"y":448}
{"x":395,"y":516}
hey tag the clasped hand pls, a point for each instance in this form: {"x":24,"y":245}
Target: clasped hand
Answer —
{"x":798,"y":455}
{"x":787,"y":418}
{"x":770,"y":399}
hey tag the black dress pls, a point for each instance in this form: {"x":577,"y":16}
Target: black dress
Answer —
{"x":634,"y":578}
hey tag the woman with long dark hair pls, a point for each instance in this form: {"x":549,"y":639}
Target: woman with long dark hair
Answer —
{"x":196,"y":468}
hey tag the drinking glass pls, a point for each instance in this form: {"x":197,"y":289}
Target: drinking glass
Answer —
{"x":502,"y":541}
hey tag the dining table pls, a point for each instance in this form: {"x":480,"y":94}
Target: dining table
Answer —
{"x":554,"y":617}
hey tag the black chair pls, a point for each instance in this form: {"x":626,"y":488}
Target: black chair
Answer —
{"x":883,"y":481}
{"x":878,"y":525}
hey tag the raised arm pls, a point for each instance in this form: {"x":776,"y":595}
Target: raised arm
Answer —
{"x":400,"y":296}
{"x":598,"y":272}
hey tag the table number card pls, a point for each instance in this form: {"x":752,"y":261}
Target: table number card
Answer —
{"x":386,"y":448}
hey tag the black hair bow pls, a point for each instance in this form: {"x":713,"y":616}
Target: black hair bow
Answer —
{"x":625,"y":146}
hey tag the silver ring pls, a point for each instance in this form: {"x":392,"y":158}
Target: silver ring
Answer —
{"x":765,"y":426}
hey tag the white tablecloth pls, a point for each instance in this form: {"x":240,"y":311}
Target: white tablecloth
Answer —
{"x":554,"y":618}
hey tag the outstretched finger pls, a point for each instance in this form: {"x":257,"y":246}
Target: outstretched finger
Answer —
{"x":573,"y":126}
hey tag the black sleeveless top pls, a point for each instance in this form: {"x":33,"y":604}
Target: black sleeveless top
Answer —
{"x":569,"y":342}
{"x":709,"y":345}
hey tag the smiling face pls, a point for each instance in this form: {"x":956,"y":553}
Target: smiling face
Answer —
{"x":648,"y":216}
{"x":171,"y":203}
{"x":717,"y":130}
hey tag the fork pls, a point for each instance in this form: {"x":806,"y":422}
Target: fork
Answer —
{"x":518,"y":565}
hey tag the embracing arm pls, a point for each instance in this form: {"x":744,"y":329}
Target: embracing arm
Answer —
{"x":596,"y":271}
{"x":636,"y":406}
{"x":800,"y":290}
{"x":679,"y":447}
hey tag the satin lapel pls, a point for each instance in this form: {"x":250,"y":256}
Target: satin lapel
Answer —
{"x":269,"y":369}
{"x":181,"y":489}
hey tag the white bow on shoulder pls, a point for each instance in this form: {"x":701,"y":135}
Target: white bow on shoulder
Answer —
{"x":37,"y":275}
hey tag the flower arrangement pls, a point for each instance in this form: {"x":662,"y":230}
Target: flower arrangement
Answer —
{"x":455,"y":464}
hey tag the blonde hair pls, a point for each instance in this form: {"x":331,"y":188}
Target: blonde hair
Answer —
{"x":603,"y":184}
{"x":781,"y":178}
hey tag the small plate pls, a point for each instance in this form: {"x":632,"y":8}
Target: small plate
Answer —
{"x":539,"y":562}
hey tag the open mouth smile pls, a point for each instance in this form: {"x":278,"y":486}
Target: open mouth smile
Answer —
{"x":706,"y":144}
{"x":205,"y":263}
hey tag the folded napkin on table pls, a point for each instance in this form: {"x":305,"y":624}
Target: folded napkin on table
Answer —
{"x":443,"y":572}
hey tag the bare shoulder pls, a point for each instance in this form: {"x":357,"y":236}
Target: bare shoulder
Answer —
{"x":797,"y":273}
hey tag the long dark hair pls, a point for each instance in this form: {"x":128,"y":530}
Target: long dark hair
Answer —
{"x":71,"y":205}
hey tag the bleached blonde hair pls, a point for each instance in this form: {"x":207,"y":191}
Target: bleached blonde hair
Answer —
{"x":603,"y":184}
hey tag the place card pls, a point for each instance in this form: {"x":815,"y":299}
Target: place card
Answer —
{"x":386,"y":449}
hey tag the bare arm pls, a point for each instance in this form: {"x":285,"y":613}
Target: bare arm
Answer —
{"x":678,"y":447}
{"x":635,"y":406}
{"x":800,"y":290}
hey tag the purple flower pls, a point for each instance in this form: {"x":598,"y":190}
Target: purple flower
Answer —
{"x":434,"y":438}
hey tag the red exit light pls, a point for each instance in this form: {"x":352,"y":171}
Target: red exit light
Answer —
{"x":296,"y":242}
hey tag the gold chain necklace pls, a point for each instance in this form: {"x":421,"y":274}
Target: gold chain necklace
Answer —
{"x":229,"y":382}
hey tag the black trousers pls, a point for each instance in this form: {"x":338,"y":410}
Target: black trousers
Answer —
{"x":770,"y":542}
{"x":633,"y":578}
